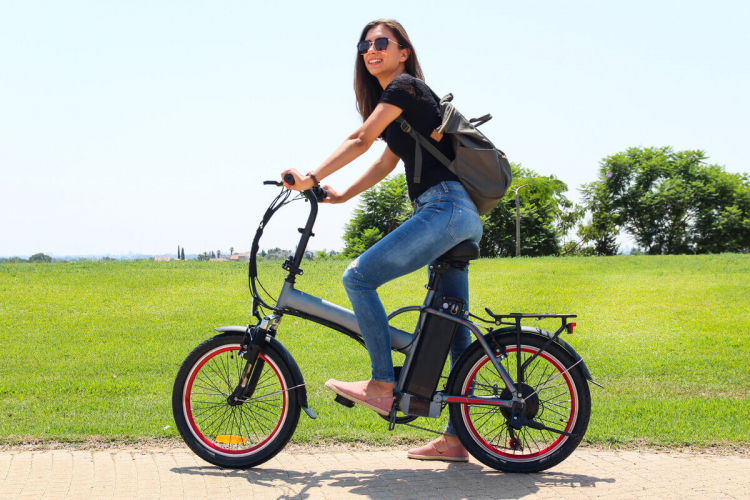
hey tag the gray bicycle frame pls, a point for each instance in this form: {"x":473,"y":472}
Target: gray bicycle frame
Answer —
{"x":401,"y":341}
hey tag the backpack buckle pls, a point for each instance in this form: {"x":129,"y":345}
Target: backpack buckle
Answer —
{"x":405,"y":126}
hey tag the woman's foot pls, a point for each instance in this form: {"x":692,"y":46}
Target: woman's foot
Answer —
{"x":447,"y":448}
{"x":372,"y":394}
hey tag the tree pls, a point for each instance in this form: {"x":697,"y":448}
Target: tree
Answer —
{"x":13,"y":260}
{"x":183,"y":253}
{"x":542,"y":217}
{"x":670,"y":203}
{"x":218,"y":254}
{"x":231,"y":251}
{"x":381,"y":209}
{"x":40,"y":257}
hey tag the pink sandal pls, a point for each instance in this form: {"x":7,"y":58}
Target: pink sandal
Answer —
{"x":355,"y":392}
{"x":430,"y":451}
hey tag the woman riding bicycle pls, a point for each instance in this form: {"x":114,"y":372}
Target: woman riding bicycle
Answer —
{"x":388,"y":84}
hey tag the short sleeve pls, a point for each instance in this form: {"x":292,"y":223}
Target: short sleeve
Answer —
{"x":401,"y":92}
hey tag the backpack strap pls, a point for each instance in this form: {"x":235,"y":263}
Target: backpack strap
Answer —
{"x":419,"y":139}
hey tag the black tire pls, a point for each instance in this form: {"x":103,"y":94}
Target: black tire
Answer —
{"x":562,"y":401}
{"x":240,"y":436}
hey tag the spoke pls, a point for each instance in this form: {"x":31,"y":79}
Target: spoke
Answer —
{"x":205,"y":415}
{"x":210,"y":366}
{"x":221,"y":418}
{"x":226,"y":368}
{"x":501,"y":426}
{"x":563,"y":383}
{"x":266,"y":414}
{"x":213,"y":394}
{"x":551,"y":398}
{"x":557,"y":412}
{"x":269,"y":384}
{"x":203,"y":406}
{"x":524,"y":442}
{"x":490,"y":388}
{"x":476,"y":421}
{"x":252,"y":429}
{"x":538,"y":448}
{"x":558,"y":374}
{"x":487,"y":382}
{"x":527,"y":376}
{"x":243,"y":430}
{"x":215,"y":423}
{"x":206,"y":379}
{"x":541,"y":383}
{"x":204,"y":382}
{"x":269,"y":401}
{"x":502,"y":438}
{"x":556,"y":403}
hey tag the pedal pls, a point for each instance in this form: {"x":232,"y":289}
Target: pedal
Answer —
{"x":343,"y":401}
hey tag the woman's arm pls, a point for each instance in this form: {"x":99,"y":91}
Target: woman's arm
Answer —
{"x":353,"y":147}
{"x":376,"y":173}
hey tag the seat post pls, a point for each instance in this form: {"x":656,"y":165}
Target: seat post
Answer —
{"x":436,"y":272}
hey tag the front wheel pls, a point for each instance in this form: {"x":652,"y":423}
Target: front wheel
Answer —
{"x":557,"y":398}
{"x":240,"y":435}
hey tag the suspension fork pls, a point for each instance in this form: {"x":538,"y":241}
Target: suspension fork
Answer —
{"x":254,"y":365}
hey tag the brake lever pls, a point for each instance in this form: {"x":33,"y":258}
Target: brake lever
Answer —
{"x":273,"y":183}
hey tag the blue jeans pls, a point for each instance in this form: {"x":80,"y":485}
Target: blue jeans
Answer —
{"x":444,"y":216}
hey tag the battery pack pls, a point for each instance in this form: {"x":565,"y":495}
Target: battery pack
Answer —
{"x":432,"y":348}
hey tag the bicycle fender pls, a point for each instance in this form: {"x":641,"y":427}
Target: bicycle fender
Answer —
{"x":272,"y":343}
{"x":559,"y":340}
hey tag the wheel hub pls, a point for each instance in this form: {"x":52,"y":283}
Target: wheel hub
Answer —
{"x":232,"y":401}
{"x":530,"y":406}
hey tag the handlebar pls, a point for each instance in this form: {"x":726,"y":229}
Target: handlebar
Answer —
{"x":319,"y":192}
{"x":292,"y":263}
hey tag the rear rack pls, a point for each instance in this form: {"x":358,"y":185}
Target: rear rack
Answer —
{"x":514,"y":319}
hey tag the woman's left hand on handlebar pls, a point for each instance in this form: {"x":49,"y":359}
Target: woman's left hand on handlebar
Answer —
{"x":301,"y":182}
{"x":332,"y":196}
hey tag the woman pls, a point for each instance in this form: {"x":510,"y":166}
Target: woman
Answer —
{"x":389,"y":84}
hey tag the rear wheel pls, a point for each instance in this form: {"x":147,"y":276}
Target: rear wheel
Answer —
{"x":556,"y":398}
{"x":233,"y":435}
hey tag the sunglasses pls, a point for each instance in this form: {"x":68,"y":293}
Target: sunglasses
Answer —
{"x":379,"y":44}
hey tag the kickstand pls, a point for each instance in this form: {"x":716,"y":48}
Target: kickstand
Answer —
{"x":392,"y":417}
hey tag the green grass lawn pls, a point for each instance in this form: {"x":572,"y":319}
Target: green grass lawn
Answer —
{"x":92,"y":348}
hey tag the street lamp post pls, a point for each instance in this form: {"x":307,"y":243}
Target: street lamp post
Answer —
{"x":518,"y":220}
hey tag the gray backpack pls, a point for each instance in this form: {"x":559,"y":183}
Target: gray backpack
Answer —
{"x":482,"y":169}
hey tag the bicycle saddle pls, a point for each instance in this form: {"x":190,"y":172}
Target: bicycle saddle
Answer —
{"x":463,"y":252}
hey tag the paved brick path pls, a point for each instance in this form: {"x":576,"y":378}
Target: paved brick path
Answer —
{"x":178,"y":474}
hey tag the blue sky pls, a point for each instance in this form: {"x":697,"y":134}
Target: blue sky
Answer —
{"x":140,"y":126}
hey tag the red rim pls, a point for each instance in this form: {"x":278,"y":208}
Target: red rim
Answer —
{"x":195,"y":429}
{"x":571,"y":417}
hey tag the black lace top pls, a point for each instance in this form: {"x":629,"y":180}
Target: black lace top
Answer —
{"x":422,"y":111}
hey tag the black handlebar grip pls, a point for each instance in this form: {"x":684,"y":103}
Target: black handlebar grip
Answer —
{"x":320,"y":193}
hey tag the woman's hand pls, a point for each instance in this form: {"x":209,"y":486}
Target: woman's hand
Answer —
{"x":301,"y":182}
{"x":332,"y":196}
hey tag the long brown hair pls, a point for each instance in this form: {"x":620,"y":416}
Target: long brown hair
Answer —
{"x":366,"y":87}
